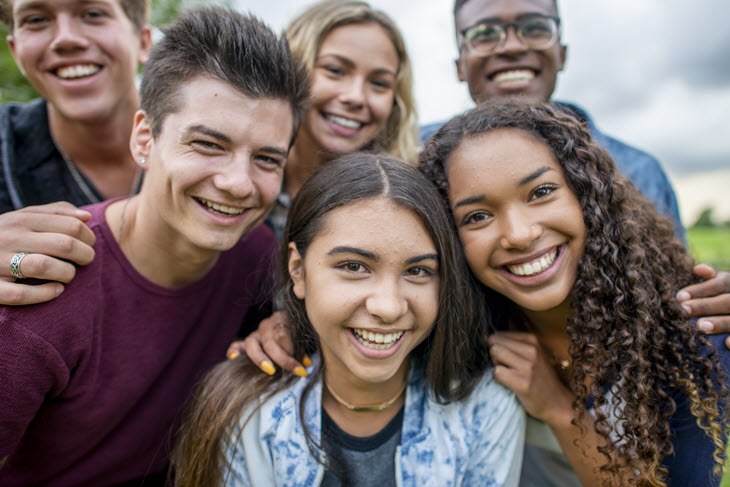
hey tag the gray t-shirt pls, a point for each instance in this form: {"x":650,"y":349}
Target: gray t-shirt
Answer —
{"x":368,"y":461}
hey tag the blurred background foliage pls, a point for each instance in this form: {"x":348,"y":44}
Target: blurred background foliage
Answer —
{"x":14,"y":87}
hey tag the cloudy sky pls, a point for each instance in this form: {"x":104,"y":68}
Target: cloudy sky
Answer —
{"x":654,"y":73}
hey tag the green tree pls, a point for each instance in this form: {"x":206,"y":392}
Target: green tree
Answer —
{"x":705,"y":220}
{"x":14,"y":86}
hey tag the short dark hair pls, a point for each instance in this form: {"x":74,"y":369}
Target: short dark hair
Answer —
{"x":224,"y":45}
{"x":460,"y":3}
{"x":136,"y":11}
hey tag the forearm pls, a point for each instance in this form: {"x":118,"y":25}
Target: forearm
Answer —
{"x":581,"y":450}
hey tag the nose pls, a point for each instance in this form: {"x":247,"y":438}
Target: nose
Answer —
{"x":387,"y":302}
{"x":236,"y":179}
{"x":519,"y":231}
{"x":353,"y":92}
{"x":68,"y":34}
{"x":512,"y":43}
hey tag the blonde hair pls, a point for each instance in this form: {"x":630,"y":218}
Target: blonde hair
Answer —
{"x":305,"y":35}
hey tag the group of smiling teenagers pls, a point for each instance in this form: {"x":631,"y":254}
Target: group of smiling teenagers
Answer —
{"x":506,"y":300}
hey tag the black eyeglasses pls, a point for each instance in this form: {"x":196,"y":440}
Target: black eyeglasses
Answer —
{"x":534,"y":32}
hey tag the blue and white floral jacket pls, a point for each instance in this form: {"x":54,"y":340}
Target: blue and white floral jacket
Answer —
{"x":475,"y":442}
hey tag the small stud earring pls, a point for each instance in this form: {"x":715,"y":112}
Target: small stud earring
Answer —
{"x":143,"y":160}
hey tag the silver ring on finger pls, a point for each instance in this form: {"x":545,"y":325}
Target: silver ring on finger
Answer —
{"x":15,"y":265}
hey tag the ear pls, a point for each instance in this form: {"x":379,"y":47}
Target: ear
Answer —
{"x":296,"y":271}
{"x":145,"y":44}
{"x":11,"y":45}
{"x":460,"y":69}
{"x":562,"y":56}
{"x":140,"y":143}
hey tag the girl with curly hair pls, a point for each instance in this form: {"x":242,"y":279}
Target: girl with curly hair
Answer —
{"x":580,"y":275}
{"x":377,"y":291}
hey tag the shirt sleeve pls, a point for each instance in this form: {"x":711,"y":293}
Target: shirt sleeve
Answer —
{"x":30,"y":369}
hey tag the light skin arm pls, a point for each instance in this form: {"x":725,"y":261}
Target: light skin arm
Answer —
{"x":522,"y":365}
{"x":270,"y":344}
{"x":709,"y":300}
{"x":55,"y":238}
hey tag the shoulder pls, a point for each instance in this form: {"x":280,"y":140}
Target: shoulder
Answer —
{"x":626,"y":157}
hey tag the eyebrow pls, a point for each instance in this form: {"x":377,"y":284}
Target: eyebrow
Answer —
{"x":350,"y":64}
{"x":481,"y":197}
{"x":523,"y":16}
{"x":420,"y":258}
{"x":344,"y":249}
{"x":469,"y":200}
{"x":534,"y":175}
{"x":224,"y":138}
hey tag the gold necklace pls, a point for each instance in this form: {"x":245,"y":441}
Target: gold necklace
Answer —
{"x":374,"y":407}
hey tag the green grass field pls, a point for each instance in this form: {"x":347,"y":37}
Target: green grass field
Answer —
{"x":711,"y":246}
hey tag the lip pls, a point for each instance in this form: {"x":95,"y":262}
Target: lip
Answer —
{"x":535,"y":279}
{"x":218,"y":217}
{"x":377,"y":354}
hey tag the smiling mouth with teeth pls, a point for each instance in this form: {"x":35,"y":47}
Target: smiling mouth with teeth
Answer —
{"x":344,"y":122}
{"x":376,"y":341}
{"x":220,"y":209}
{"x":535,"y":267}
{"x":514,"y":75}
{"x":77,"y":71}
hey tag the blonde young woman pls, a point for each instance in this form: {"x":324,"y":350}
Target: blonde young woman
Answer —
{"x":362,"y":91}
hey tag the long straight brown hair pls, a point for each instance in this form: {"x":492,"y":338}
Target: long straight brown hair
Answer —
{"x":453,"y":359}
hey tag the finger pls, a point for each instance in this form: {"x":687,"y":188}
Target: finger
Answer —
{"x":714,"y":324}
{"x":252,"y":347}
{"x":40,"y":266}
{"x":269,"y":326}
{"x":526,"y":348}
{"x":280,"y":349}
{"x":517,"y":336}
{"x":49,"y":244}
{"x":714,"y":286}
{"x":513,"y":357}
{"x":727,"y":342}
{"x":715,"y":306}
{"x":235,"y":349}
{"x":58,"y":208}
{"x":705,"y":271}
{"x":14,"y":294}
{"x":510,"y":378}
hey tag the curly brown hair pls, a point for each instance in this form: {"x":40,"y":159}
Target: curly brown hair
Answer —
{"x":629,"y":336}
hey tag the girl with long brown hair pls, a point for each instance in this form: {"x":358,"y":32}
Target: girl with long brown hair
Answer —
{"x":581,"y":275}
{"x":401,"y":392}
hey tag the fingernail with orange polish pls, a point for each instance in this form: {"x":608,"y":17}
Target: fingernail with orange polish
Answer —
{"x":232,"y":356}
{"x":307,"y":361}
{"x":268,"y":367}
{"x":301,"y":372}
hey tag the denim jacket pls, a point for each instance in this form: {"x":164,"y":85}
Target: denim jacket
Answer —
{"x":477,"y":441}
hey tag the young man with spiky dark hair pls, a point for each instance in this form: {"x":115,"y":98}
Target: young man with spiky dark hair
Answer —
{"x":92,"y":383}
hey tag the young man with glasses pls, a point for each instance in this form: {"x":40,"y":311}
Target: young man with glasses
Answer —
{"x":513,"y":48}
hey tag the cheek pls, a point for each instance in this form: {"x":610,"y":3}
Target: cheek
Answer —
{"x":381,"y":107}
